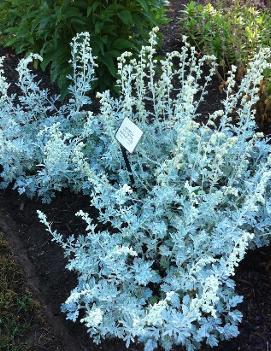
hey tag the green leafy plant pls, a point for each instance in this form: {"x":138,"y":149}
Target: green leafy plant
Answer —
{"x":233,"y":33}
{"x":47,"y":26}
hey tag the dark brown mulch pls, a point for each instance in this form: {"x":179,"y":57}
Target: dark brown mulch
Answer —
{"x":22,"y":323}
{"x":253,"y":280}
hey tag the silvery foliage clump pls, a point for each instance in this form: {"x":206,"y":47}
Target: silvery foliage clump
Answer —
{"x":39,"y":135}
{"x":160,"y":272}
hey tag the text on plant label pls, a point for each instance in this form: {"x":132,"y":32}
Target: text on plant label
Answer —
{"x":128,"y":135}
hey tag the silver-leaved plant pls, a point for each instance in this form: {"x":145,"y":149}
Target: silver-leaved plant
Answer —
{"x":39,"y":135}
{"x":162,"y":271}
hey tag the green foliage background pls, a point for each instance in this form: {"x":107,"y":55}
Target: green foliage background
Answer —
{"x":230,"y":32}
{"x":47,"y":27}
{"x":233,"y":32}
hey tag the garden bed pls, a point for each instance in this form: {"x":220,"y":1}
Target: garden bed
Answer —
{"x":44,"y":266}
{"x":23,"y":322}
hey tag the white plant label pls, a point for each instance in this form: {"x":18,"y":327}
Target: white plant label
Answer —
{"x":129,"y":135}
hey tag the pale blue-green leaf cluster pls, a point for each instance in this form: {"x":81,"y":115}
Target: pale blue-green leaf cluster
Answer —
{"x":161,"y":269}
{"x":162,"y":273}
{"x":39,"y":136}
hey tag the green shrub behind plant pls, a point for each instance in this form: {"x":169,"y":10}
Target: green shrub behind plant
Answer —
{"x":231,"y":33}
{"x":48,"y":26}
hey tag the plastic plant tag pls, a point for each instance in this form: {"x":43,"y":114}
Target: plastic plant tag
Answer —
{"x":128,"y":135}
